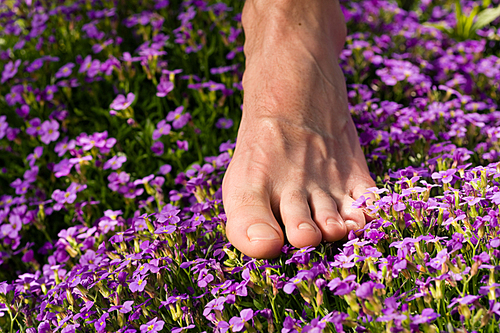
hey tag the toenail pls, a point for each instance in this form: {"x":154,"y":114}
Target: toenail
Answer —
{"x":332,"y":222}
{"x":351,"y":225}
{"x":306,"y":226}
{"x":261,"y":231}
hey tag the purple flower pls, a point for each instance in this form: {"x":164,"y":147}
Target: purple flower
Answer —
{"x":23,"y":111}
{"x":10,"y":70}
{"x":162,"y":128}
{"x":224,"y":123}
{"x":3,"y":126}
{"x":121,"y":103}
{"x":63,"y":146}
{"x":215,"y":304}
{"x":445,"y":176}
{"x":49,"y":131}
{"x":394,"y":199}
{"x":65,"y":71}
{"x":63,"y":168}
{"x":35,"y":126}
{"x":366,"y":289}
{"x":157,"y":148}
{"x":37,"y":153}
{"x":179,"y":120}
{"x":439,"y":260}
{"x":114,"y":162}
{"x":138,"y":284}
{"x":15,"y":95}
{"x":152,"y":326}
{"x":166,"y":168}
{"x":164,"y":87}
{"x":238,"y":323}
{"x":94,"y":68}
{"x":183,"y":145}
{"x":426,"y":317}
{"x":468,"y":299}
{"x":49,"y":92}
{"x":182,"y":329}
{"x":85,"y":64}
{"x":100,"y":325}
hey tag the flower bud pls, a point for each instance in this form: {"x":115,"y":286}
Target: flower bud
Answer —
{"x":464,"y":310}
{"x":71,"y":251}
{"x":230,"y":254}
{"x":478,"y":316}
{"x":69,"y":297}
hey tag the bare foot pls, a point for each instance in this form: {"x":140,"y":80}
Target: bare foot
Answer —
{"x":297,"y":160}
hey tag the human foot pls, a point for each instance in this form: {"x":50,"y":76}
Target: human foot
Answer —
{"x":297,"y":160}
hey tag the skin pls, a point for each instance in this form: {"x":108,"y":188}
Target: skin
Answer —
{"x":297,"y":162}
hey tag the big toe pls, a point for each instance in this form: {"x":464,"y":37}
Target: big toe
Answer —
{"x":251,"y":226}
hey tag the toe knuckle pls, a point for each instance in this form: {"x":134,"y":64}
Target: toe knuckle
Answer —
{"x":296,"y":196}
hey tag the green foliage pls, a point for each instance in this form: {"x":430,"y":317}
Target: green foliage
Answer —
{"x":467,"y":25}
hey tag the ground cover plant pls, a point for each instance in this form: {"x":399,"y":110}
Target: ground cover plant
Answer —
{"x":118,"y":119}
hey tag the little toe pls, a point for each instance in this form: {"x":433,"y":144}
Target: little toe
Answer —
{"x":361,"y":190}
{"x":296,"y":215}
{"x":354,"y":217}
{"x":327,"y":217}
{"x":251,"y":226}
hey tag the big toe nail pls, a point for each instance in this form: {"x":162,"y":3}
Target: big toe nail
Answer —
{"x":261,"y":231}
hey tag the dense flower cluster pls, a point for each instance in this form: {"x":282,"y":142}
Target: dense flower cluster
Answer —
{"x":118,"y":123}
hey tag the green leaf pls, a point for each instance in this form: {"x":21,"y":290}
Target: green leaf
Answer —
{"x":258,"y":304}
{"x":459,"y":16}
{"x":439,"y":25}
{"x":467,"y":32}
{"x":486,"y":17}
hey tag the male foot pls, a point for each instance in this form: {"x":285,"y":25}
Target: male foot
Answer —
{"x":297,"y":160}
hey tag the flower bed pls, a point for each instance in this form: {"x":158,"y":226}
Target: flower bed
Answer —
{"x":117,"y":124}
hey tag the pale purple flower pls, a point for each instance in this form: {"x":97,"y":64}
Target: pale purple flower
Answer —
{"x":164,"y":87}
{"x":65,"y":70}
{"x":100,"y":325}
{"x":224,"y":123}
{"x":87,"y":62}
{"x":152,"y":326}
{"x":94,"y":68}
{"x":49,"y":131}
{"x":3,"y":126}
{"x":427,"y":316}
{"x":63,"y":168}
{"x":80,"y":159}
{"x":445,"y":176}
{"x":114,"y":162}
{"x":37,"y":153}
{"x":439,"y":260}
{"x":166,"y":168}
{"x":177,"y":118}
{"x":10,"y":70}
{"x":138,"y":284}
{"x":63,"y":146}
{"x":162,"y":128}
{"x":121,"y":103}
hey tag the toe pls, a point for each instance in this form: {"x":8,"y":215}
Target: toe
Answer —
{"x":354,"y":217}
{"x":361,"y":190}
{"x":251,"y":226}
{"x":327,"y":217}
{"x":296,"y":215}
